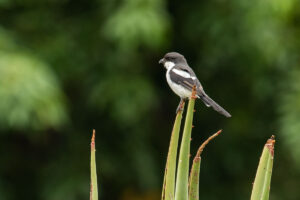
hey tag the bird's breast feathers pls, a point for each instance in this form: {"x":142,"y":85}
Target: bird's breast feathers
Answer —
{"x":181,"y":81}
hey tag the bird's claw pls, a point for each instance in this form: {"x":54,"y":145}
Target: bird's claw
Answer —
{"x":180,"y":106}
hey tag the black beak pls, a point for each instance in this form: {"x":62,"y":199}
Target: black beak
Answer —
{"x":161,"y":61}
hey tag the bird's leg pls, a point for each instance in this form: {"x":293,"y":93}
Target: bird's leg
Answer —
{"x":180,"y":106}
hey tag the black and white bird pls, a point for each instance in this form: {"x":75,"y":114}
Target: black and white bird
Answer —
{"x":181,"y":78}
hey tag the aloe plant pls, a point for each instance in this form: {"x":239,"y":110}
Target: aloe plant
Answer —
{"x":261,"y":186}
{"x":182,"y":189}
{"x":170,"y":170}
{"x":186,"y":187}
{"x":94,"y":186}
{"x":181,"y":192}
{"x":195,"y":171}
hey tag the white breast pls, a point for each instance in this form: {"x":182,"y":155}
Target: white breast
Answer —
{"x":178,"y":89}
{"x":169,"y":65}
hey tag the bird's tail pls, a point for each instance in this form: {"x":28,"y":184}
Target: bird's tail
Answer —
{"x":211,"y":103}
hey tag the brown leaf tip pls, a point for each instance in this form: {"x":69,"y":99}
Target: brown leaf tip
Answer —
{"x":93,"y":138}
{"x":273,"y":137}
{"x":270,"y":144}
{"x":201,"y":148}
{"x":194,"y":91}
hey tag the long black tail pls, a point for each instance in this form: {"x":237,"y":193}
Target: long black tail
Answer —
{"x":209,"y":102}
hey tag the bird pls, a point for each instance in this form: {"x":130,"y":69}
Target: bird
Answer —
{"x":181,"y":79}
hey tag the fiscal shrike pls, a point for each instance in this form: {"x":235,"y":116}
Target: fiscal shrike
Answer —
{"x":181,"y":78}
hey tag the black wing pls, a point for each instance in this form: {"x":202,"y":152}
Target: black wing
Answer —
{"x":184,"y":76}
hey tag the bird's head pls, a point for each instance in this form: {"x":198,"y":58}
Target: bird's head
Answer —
{"x":171,"y":59}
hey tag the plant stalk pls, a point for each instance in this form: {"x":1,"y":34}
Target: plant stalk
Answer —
{"x":94,"y":186}
{"x":181,"y":192}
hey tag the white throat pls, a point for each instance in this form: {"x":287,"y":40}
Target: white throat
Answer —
{"x":168,"y":65}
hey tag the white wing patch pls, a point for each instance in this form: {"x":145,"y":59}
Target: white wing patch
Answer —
{"x":182,"y":73}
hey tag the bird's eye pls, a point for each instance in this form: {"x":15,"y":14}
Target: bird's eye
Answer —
{"x":170,"y":58}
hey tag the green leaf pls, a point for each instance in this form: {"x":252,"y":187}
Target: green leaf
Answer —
{"x":195,"y":171}
{"x":169,"y":177}
{"x":194,"y":179}
{"x":149,"y":21}
{"x":181,"y":192}
{"x":94,"y":186}
{"x":261,"y":186}
{"x":30,"y":93}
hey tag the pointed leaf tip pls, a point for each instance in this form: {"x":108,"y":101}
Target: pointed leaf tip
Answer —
{"x":194,"y":91}
{"x":195,"y":171}
{"x":94,"y":184}
{"x":261,"y":186}
{"x":93,"y":137}
{"x":201,"y":148}
{"x":270,"y":144}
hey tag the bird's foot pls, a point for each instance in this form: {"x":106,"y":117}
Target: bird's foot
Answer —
{"x":180,"y":106}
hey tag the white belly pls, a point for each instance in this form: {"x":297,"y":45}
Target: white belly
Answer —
{"x":178,"y":89}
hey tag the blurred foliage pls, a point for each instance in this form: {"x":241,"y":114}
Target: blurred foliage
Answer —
{"x":69,"y":66}
{"x":29,"y":91}
{"x":138,"y":22}
{"x":29,"y":94}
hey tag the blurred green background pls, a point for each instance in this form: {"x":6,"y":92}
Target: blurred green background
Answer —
{"x":67,"y":67}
